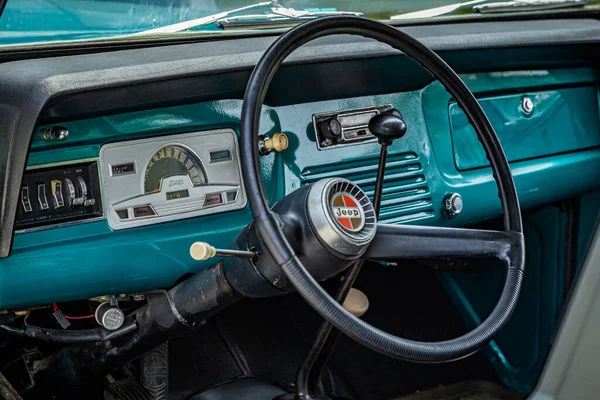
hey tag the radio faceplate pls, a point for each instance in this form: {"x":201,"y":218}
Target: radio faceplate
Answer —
{"x":344,"y":128}
{"x":155,"y":180}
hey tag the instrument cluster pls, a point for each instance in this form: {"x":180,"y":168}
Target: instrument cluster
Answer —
{"x":162,"y":179}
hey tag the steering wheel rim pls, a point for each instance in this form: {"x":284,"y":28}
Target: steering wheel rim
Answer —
{"x":274,"y":240}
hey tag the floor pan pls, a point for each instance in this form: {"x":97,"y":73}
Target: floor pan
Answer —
{"x":470,"y":390}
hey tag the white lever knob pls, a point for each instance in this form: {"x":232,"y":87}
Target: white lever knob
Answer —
{"x":356,"y":302}
{"x":201,"y":251}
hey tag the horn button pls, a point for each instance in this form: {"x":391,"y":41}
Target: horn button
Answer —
{"x":347,"y":212}
{"x":342,"y":215}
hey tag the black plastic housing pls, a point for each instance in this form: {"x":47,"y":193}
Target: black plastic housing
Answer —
{"x":37,"y":217}
{"x":320,"y":260}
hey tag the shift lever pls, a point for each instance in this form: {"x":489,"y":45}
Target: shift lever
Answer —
{"x":386,"y":127}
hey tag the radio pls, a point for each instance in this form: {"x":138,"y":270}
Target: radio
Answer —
{"x":342,"y":128}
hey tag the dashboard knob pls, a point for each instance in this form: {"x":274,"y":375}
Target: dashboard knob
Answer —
{"x":453,"y":204}
{"x":109,"y":316}
{"x":55,"y":133}
{"x":387,"y":127}
{"x":201,"y":251}
{"x":331,"y":129}
{"x":356,"y":303}
{"x":278,"y":142}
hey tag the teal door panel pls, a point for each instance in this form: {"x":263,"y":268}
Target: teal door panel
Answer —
{"x":519,"y":352}
{"x":561,"y":121}
{"x":589,"y":215}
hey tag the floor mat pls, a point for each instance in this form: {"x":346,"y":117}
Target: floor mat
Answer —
{"x":472,"y":390}
{"x":268,"y":338}
{"x":407,"y":301}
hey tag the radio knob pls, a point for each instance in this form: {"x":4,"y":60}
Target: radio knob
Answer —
{"x":331,"y":129}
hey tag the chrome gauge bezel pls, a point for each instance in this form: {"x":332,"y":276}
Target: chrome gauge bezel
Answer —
{"x":128,"y":205}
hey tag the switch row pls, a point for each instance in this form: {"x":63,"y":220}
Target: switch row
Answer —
{"x":56,"y":191}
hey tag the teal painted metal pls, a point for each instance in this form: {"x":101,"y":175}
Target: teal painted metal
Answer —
{"x":520,"y":351}
{"x":539,"y":181}
{"x":589,"y":215}
{"x":78,"y":253}
{"x":89,"y":259}
{"x":406,"y":196}
{"x":562,"y":121}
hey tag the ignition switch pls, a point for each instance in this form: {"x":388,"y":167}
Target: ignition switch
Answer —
{"x":109,"y":315}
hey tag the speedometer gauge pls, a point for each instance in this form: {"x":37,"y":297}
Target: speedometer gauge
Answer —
{"x":171,"y":161}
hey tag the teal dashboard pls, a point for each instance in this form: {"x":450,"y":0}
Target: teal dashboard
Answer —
{"x":554,"y":153}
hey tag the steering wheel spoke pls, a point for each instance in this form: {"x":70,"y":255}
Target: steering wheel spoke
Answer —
{"x":408,"y":241}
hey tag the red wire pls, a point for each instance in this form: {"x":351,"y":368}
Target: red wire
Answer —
{"x":70,"y":317}
{"x":80,"y":317}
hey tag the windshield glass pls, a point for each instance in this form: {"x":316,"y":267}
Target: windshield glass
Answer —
{"x":42,"y":21}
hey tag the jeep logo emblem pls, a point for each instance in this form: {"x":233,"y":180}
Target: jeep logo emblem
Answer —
{"x":347,"y":212}
{"x":175,"y":182}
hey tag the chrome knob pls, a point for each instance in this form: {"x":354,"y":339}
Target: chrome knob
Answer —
{"x":453,"y":204}
{"x":110,"y":316}
{"x":278,"y":143}
{"x":55,"y":133}
{"x":527,"y":105}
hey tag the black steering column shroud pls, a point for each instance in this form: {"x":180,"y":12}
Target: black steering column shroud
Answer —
{"x":275,"y":241}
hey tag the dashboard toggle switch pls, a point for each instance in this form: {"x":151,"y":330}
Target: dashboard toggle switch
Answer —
{"x":57,"y":196}
{"x":70,"y":192}
{"x":82,"y":189}
{"x":42,"y":200}
{"x":25,"y":200}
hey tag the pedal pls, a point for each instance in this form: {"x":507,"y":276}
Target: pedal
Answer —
{"x":155,"y":372}
{"x":126,"y":389}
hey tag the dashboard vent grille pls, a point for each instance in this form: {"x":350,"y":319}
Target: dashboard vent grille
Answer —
{"x":406,"y":195}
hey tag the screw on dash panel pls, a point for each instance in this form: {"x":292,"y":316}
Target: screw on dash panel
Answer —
{"x":526,"y":106}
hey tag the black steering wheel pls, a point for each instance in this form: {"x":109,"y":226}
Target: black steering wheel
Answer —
{"x":390,"y":241}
